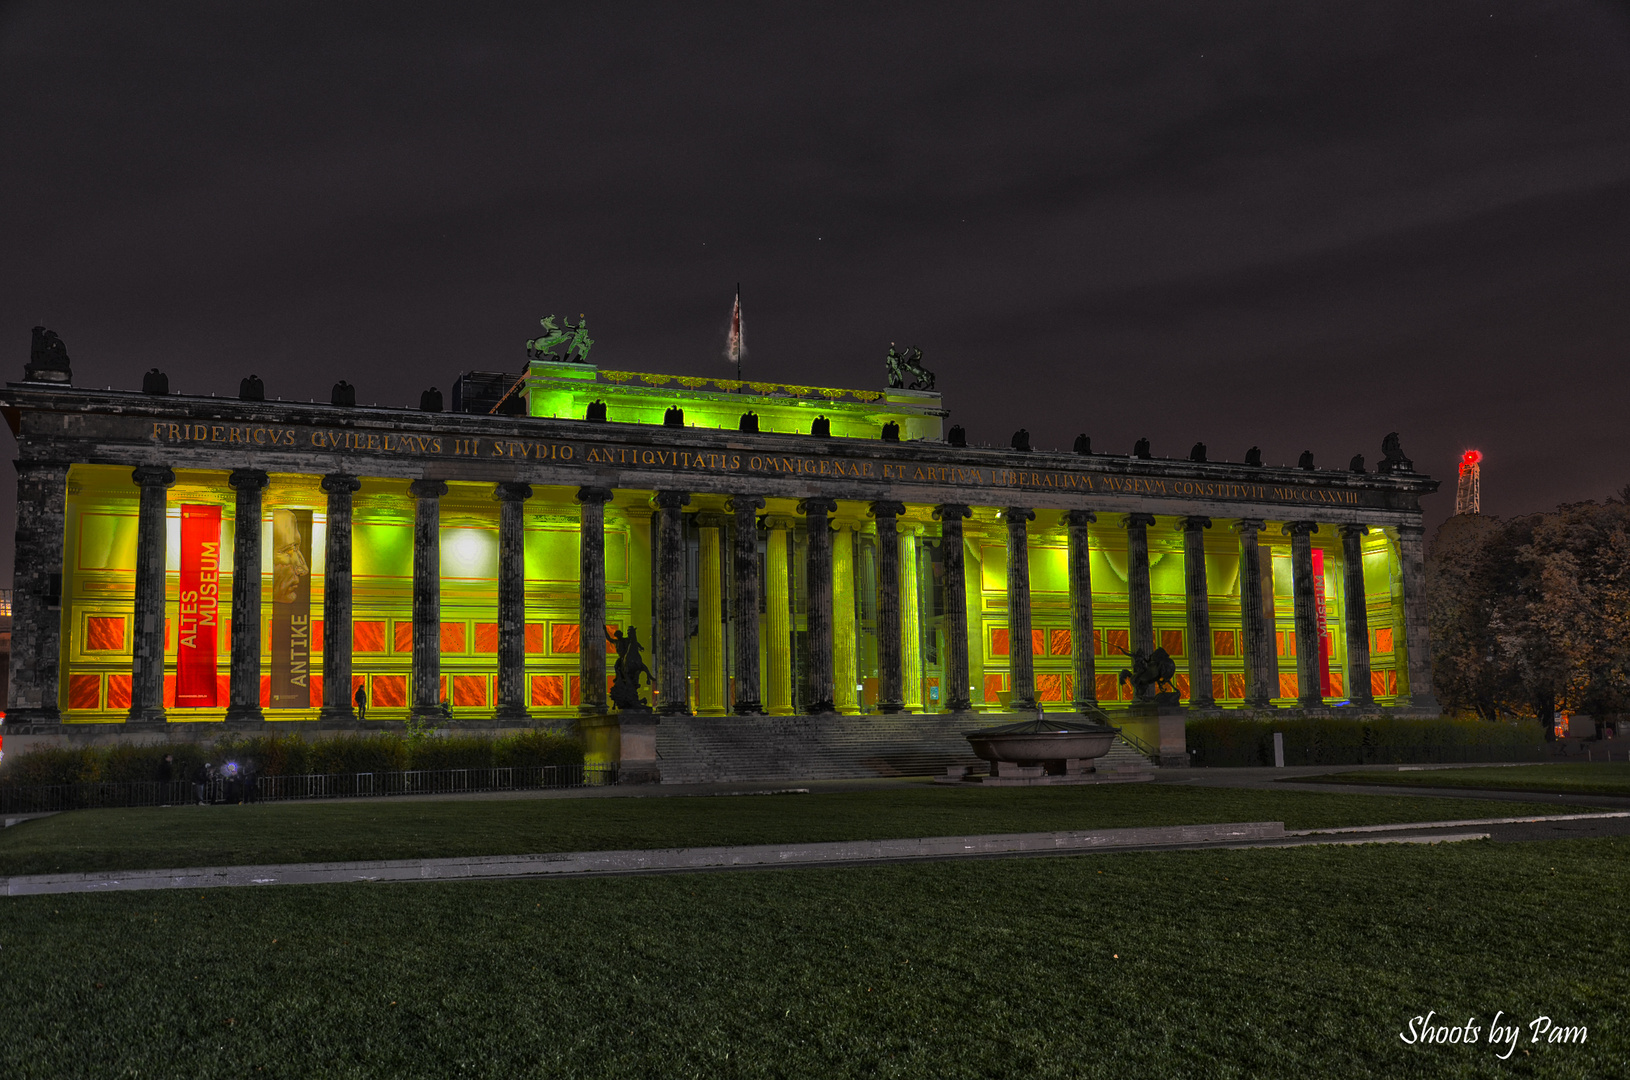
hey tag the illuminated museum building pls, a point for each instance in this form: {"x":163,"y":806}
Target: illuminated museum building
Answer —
{"x":465,"y":560}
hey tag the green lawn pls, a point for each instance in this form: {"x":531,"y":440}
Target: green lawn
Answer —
{"x":1264,"y":963}
{"x":1581,"y":778}
{"x":385,"y":829}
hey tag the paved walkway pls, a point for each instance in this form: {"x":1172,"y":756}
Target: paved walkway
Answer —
{"x":842,"y":853}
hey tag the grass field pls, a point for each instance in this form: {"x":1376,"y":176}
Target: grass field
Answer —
{"x":384,"y":829}
{"x":1581,"y":778}
{"x":1266,"y":963}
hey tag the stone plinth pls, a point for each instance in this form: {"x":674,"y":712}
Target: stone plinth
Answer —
{"x":626,"y":739}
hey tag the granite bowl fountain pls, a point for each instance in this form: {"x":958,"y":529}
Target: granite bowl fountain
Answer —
{"x":1045,"y":750}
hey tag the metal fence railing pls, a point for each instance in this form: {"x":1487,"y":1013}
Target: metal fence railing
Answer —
{"x":34,"y":799}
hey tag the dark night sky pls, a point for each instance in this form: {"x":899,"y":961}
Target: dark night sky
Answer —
{"x":1299,"y":225}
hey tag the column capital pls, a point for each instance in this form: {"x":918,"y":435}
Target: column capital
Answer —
{"x":1078,"y":519}
{"x":780,"y":521}
{"x":153,"y":475}
{"x":712,"y":519}
{"x":1019,"y":513}
{"x":1196,"y":522}
{"x":744,"y":504}
{"x":584,"y":494}
{"x":671,"y":500}
{"x":340,"y":483}
{"x":427,"y":489}
{"x":248,"y":479}
{"x":1249,"y":525}
{"x":1300,"y":528}
{"x":817,"y":506}
{"x":1413,"y":532}
{"x":1135,"y":520}
{"x":1353,"y":530}
{"x":885,"y":508}
{"x":952,"y":510}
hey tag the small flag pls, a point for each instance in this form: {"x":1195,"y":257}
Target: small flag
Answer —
{"x":737,"y":346}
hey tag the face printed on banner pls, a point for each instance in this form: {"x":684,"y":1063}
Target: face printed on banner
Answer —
{"x":288,"y":564}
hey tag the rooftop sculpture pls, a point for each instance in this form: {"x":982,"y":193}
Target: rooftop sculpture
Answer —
{"x":575,"y":338}
{"x":909,"y":362}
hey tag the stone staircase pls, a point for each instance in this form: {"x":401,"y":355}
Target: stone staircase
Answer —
{"x":704,"y":749}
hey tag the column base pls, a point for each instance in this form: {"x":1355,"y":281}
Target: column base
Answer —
{"x":1366,"y":702}
{"x":820,"y":708}
{"x":1022,"y":705}
{"x":245,"y":714}
{"x":748,"y":708}
{"x":429,"y":712}
{"x":891,"y":707}
{"x":145,"y":716}
{"x":1310,"y":702}
{"x":517,"y":714}
{"x":337,"y":712}
{"x":1087,"y":707}
{"x":959,"y":705}
{"x":674,"y":710}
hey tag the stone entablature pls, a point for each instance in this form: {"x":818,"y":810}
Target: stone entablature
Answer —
{"x":110,"y":427}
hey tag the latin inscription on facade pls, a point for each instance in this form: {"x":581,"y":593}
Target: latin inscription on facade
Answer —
{"x":729,"y":461}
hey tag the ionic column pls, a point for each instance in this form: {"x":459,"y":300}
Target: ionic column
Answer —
{"x":778,"y":613}
{"x":1021,"y":663}
{"x":1140,"y":606}
{"x":337,"y":598}
{"x":845,"y":647}
{"x":911,"y":633}
{"x":1199,"y":611}
{"x":427,"y":599}
{"x":147,"y":660}
{"x":818,"y":609}
{"x":1417,"y":639}
{"x":890,"y":663}
{"x":36,"y":599}
{"x":710,"y":697}
{"x":673,"y":669}
{"x":744,"y":603}
{"x":511,"y":498}
{"x":1359,"y":691}
{"x":956,"y":606}
{"x":1307,"y":616}
{"x":1256,"y":619}
{"x":1076,"y":522}
{"x":244,"y":695}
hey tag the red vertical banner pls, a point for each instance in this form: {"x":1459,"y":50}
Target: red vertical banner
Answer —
{"x":1324,"y":631}
{"x":199,"y":608}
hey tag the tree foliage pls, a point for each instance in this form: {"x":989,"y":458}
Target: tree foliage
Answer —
{"x":1532,"y":615}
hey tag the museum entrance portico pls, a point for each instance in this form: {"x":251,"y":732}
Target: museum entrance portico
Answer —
{"x":425,"y":570}
{"x":461,"y":568}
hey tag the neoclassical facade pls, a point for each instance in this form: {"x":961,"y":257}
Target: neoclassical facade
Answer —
{"x":776,"y":549}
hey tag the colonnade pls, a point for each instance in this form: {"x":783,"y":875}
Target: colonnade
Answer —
{"x":830,"y":576}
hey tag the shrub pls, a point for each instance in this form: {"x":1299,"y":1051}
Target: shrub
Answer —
{"x":1233,"y":741}
{"x":292,"y":755}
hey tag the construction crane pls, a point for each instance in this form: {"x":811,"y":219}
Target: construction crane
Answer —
{"x":1469,"y":495}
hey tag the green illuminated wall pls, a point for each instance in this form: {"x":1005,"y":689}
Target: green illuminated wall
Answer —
{"x":565,"y":391}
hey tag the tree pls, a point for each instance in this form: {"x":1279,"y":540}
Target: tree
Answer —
{"x":1533,"y":614}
